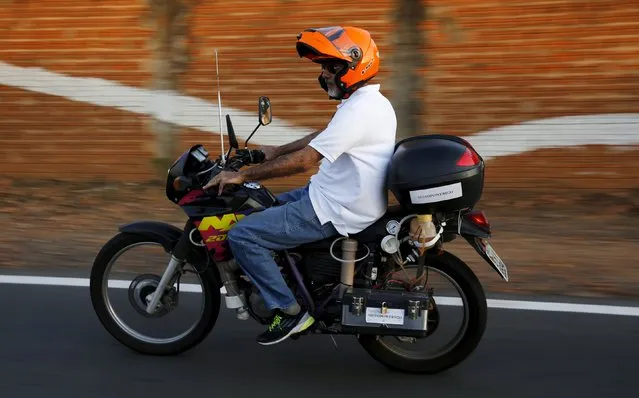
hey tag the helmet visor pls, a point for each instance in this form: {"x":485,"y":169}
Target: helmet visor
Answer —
{"x":328,"y":43}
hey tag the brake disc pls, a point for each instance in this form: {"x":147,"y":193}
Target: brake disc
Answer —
{"x":140,"y":291}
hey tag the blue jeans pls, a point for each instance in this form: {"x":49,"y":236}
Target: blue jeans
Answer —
{"x":276,"y":228}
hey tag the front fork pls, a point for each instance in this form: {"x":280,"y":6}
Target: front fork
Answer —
{"x":168,"y":279}
{"x":173,"y":269}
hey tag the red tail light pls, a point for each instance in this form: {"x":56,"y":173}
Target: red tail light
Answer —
{"x":478,"y":218}
{"x":469,"y":158}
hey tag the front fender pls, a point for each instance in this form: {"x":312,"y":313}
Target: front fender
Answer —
{"x":167,"y":234}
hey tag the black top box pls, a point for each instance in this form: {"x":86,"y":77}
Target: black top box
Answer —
{"x":431,"y":174}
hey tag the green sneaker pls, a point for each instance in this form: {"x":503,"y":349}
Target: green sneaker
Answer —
{"x":284,"y":325}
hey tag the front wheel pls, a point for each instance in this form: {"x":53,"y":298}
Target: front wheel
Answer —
{"x":396,"y":353}
{"x":201,"y":298}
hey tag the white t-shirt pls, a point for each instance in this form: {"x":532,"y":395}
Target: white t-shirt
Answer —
{"x":357,"y":145}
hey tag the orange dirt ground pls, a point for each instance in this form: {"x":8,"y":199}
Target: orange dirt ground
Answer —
{"x":574,"y":243}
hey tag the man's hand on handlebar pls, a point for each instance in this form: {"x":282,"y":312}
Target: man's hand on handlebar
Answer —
{"x":270,"y":151}
{"x":251,"y":156}
{"x":243,"y":157}
{"x":224,"y":178}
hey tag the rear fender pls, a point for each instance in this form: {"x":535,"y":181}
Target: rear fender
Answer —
{"x":474,"y":227}
{"x":486,"y":251}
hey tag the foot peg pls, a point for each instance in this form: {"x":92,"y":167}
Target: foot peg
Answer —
{"x":242,"y":314}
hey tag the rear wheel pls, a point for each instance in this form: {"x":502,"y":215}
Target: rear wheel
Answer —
{"x":399,"y":353}
{"x":137,"y":293}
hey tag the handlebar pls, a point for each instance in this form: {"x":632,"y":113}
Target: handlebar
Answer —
{"x":245,"y":157}
{"x":251,"y":156}
{"x":242,"y":158}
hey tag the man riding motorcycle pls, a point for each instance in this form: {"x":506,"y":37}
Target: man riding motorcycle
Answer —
{"x":345,"y":196}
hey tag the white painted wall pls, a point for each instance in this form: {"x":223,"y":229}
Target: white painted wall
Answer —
{"x":196,"y":113}
{"x":566,"y":131}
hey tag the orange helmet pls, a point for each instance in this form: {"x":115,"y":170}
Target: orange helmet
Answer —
{"x":352,"y":46}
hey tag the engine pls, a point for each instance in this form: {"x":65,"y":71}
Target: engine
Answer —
{"x":258,"y":306}
{"x":321,"y":268}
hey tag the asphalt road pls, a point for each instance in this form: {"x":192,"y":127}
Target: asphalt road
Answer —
{"x":52,"y":345}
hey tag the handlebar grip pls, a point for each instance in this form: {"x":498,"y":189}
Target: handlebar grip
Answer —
{"x":257,"y":156}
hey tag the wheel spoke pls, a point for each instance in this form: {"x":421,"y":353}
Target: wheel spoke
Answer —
{"x":185,"y":313}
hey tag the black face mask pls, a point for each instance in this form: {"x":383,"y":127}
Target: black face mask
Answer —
{"x":324,"y":86}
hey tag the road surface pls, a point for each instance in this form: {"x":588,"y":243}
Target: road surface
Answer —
{"x":52,"y":345}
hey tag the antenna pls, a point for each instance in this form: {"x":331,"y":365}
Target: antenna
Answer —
{"x":219,"y":105}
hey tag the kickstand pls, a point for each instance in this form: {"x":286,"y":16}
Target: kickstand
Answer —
{"x":330,"y":335}
{"x":334,"y":342}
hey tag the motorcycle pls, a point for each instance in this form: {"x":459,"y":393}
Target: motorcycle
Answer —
{"x":373,"y":285}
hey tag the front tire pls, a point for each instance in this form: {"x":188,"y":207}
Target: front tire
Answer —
{"x":212,"y":301}
{"x":477,"y":318}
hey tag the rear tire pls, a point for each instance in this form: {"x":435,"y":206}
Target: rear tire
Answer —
{"x":477,"y":318}
{"x":203,"y":327}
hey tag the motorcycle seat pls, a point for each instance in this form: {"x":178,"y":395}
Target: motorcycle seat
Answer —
{"x":373,"y":232}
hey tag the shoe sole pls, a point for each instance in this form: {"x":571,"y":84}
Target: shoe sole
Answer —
{"x":306,"y":321}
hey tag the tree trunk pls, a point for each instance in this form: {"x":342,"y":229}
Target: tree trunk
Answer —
{"x":170,"y":59}
{"x":407,"y":63}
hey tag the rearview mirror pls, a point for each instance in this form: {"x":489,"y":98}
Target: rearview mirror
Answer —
{"x":265,"y":115}
{"x":264,"y":107}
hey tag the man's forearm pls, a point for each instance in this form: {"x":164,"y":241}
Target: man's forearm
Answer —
{"x":289,"y":164}
{"x":295,"y":145}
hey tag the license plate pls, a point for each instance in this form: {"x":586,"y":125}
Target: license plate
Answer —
{"x":391,"y":316}
{"x":494,"y":259}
